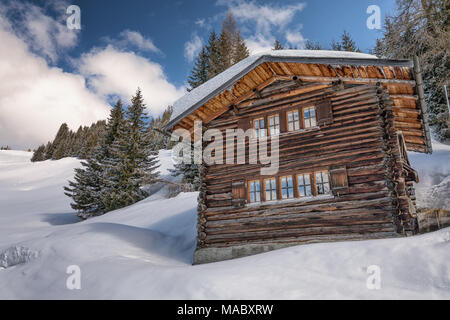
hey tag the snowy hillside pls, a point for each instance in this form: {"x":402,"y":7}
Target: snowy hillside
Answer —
{"x":433,"y":189}
{"x":145,"y":251}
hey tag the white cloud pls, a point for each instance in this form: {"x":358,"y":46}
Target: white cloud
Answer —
{"x":36,"y":98}
{"x":192,"y":47}
{"x":265,"y":16}
{"x":296,"y":39}
{"x":44,"y":35}
{"x":259,"y":43}
{"x":200,"y":22}
{"x":111,"y":71}
{"x":135,"y":39}
{"x":262,"y":21}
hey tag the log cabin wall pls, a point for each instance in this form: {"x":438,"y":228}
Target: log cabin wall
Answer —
{"x":356,"y":146}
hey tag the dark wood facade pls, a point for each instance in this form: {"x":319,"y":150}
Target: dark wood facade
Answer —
{"x":346,"y":176}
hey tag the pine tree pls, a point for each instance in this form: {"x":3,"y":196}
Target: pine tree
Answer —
{"x":199,"y":73}
{"x":89,"y":188}
{"x":39,"y":154}
{"x":133,"y":159}
{"x":48,"y":150}
{"x":240,"y":50}
{"x":86,"y":191}
{"x":156,"y":128}
{"x":60,"y":143}
{"x":190,"y":173}
{"x":345,"y":44}
{"x":213,"y":52}
{"x":277,"y":45}
{"x":310,"y":45}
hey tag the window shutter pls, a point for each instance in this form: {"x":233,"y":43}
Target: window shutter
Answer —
{"x":324,"y":112}
{"x":339,"y":180}
{"x":239,"y":195}
{"x":244,"y":124}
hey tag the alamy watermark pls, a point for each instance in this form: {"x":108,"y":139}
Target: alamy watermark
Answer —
{"x":73,"y":281}
{"x":73,"y":22}
{"x":373,"y":281}
{"x":374,"y":20}
{"x":226,"y":149}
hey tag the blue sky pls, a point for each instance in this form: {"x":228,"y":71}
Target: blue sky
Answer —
{"x":56,"y":75}
{"x":170,"y":24}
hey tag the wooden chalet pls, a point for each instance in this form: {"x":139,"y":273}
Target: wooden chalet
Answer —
{"x":345,"y":122}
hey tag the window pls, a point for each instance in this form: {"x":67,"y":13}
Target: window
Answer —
{"x":271,"y":189}
{"x":260,"y":127}
{"x":309,"y":116}
{"x":322,"y":184}
{"x":304,"y":185}
{"x":274,"y":125}
{"x":287,"y":187}
{"x":254,"y":191}
{"x":293,"y":121}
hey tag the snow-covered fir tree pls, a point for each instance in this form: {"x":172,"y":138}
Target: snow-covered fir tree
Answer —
{"x":132,"y":159}
{"x":89,"y":190}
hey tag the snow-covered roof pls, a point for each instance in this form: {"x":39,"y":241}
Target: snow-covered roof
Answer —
{"x":226,"y":79}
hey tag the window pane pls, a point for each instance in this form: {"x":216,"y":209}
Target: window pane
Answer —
{"x":258,"y":197}
{"x":301,"y":191}
{"x":320,"y":189}
{"x":289,"y":180}
{"x":318,"y":177}
{"x":308,"y":191}
{"x":306,"y":113}
{"x":326,"y":188}
{"x":307,"y":179}
{"x":257,"y":186}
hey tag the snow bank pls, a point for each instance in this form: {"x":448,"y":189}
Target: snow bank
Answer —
{"x":145,"y":252}
{"x":16,"y":255}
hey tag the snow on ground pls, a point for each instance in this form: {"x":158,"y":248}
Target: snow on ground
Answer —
{"x":433,"y":189}
{"x":145,"y":251}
